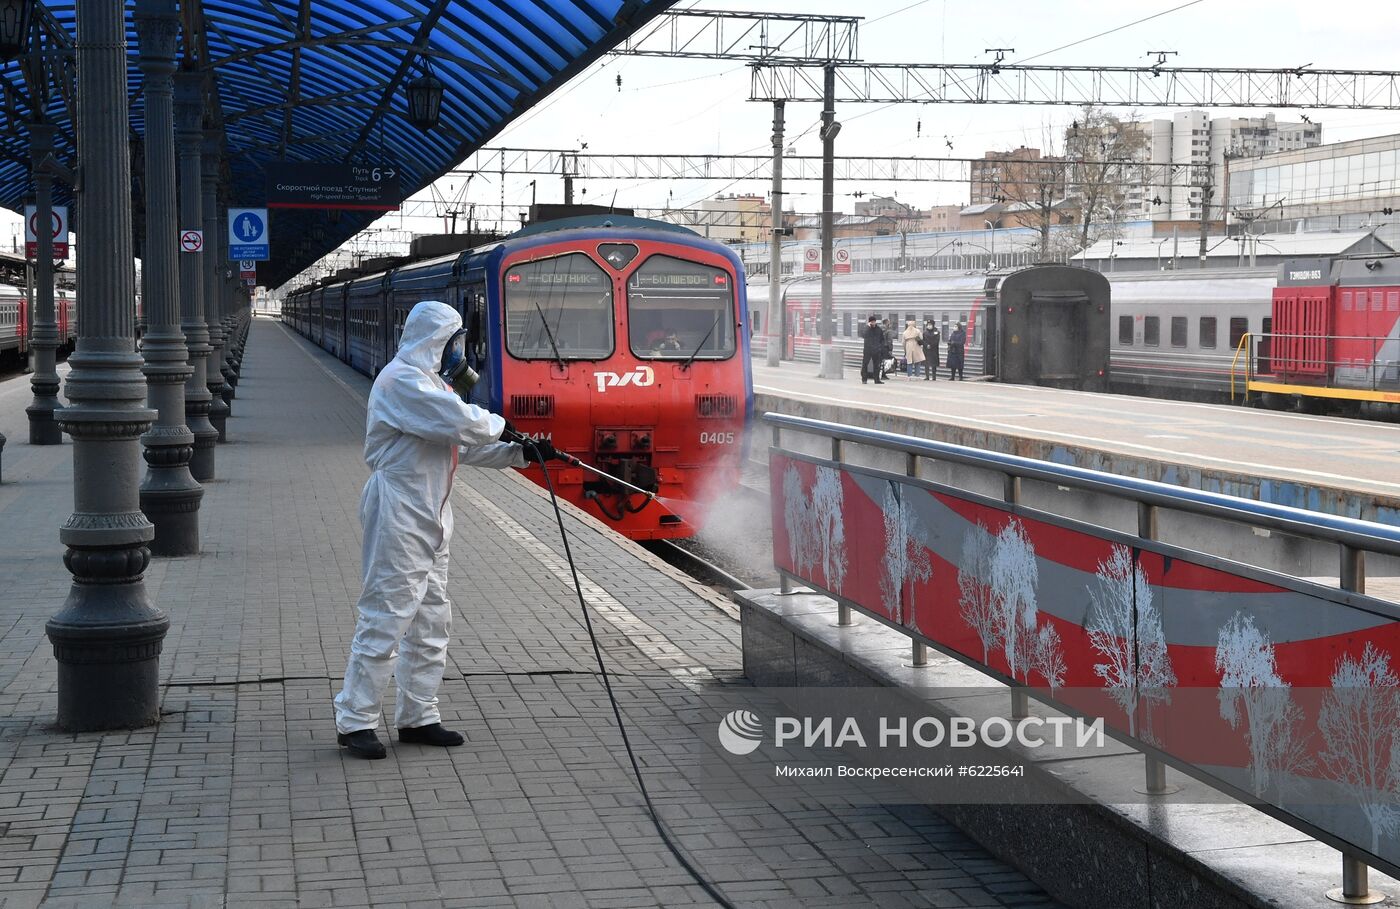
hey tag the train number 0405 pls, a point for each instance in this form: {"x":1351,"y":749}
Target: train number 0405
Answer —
{"x":716,"y":438}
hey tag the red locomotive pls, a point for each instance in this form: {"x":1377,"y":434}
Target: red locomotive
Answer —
{"x":1335,"y":331}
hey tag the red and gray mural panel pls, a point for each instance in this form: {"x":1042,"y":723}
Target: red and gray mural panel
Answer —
{"x":1285,"y":693}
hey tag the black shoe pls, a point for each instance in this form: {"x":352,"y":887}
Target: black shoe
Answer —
{"x":432,"y":734}
{"x":362,"y":743}
{"x":879,"y":382}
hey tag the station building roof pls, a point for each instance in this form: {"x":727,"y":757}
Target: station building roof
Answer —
{"x":323,"y":81}
{"x":1149,"y":252}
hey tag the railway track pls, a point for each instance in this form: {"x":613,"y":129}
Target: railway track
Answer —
{"x":696,"y":566}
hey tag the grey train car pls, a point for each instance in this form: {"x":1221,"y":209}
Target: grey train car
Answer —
{"x":945,"y":297}
{"x":1172,"y":334}
{"x":1051,"y":326}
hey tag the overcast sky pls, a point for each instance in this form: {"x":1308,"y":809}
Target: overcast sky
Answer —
{"x":696,"y":106}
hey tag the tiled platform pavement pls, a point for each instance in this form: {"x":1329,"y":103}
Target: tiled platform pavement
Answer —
{"x":241,"y":797}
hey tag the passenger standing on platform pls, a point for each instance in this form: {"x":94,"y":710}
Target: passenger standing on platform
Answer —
{"x":888,"y":355}
{"x":872,"y":353}
{"x":418,"y":429}
{"x":930,"y":344}
{"x":913,"y":347}
{"x":956,"y":341}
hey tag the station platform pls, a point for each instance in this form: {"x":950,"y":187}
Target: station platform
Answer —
{"x":241,"y":797}
{"x":1328,"y":464}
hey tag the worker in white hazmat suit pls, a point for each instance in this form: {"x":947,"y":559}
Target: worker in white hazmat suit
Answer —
{"x":418,"y":429}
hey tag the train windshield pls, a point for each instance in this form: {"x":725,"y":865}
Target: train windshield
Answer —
{"x":559,"y":308}
{"x":679,"y":309}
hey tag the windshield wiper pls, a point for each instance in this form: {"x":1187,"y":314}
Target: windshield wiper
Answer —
{"x":696,"y":352}
{"x":559,"y":358}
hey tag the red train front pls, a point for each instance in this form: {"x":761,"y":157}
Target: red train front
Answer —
{"x":626,"y":343}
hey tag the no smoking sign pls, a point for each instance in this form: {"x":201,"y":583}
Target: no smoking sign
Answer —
{"x":191,"y":241}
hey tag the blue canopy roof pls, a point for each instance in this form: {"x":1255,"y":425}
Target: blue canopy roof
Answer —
{"x":322,"y":80}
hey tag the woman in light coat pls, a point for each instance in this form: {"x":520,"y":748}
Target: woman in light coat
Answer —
{"x":913,"y":347}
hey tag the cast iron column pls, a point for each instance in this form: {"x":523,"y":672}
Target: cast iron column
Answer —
{"x":189,"y":114}
{"x":225,"y":280}
{"x":214,"y":253}
{"x":170,"y":496}
{"x":107,"y":637}
{"x":43,"y":430}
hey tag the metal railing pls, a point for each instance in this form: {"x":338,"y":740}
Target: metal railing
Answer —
{"x":840,"y":498}
{"x":1319,"y":365}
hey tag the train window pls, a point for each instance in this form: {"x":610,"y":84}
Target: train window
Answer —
{"x":1178,"y":331}
{"x":1239,"y":326}
{"x":1152,"y":331}
{"x":678,"y":309}
{"x":1208,"y":331}
{"x":1125,"y":331}
{"x":559,"y":307}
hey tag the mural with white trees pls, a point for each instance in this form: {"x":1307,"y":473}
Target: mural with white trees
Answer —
{"x":997,"y":578}
{"x":1014,"y":577}
{"x":816,"y":533}
{"x":1137,"y":668}
{"x":906,"y":561}
{"x":975,"y":599}
{"x":829,"y":526}
{"x":1360,"y":727}
{"x":1253,"y":694}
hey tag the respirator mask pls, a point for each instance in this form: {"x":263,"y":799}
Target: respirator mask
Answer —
{"x":454,"y":369}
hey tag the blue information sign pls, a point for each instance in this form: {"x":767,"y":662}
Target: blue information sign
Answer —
{"x":247,"y":234}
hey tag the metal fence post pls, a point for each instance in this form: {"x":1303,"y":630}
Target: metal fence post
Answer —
{"x":1356,"y":886}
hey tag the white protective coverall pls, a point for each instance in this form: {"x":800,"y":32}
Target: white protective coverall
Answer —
{"x":417,"y":431}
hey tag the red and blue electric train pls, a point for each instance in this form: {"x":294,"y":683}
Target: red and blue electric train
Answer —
{"x":623,"y":341}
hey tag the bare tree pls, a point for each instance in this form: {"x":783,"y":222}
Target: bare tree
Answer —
{"x":829,"y":526}
{"x":1048,"y":659}
{"x":1358,"y":722}
{"x":1038,"y":202}
{"x":1014,"y":578}
{"x":1252,"y":692}
{"x":975,"y":599}
{"x":905,"y":559}
{"x":1138,"y":666}
{"x":1107,"y":154}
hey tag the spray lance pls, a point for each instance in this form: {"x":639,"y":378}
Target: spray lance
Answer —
{"x":457,"y":372}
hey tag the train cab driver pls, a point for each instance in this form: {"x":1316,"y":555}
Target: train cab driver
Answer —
{"x":418,"y":429}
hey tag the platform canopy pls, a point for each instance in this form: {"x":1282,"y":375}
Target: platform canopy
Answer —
{"x":325,"y":81}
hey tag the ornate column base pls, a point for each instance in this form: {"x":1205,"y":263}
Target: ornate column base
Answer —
{"x":107,"y":642}
{"x":202,"y":462}
{"x":219,"y":420}
{"x":43,"y":428}
{"x":170,"y":496}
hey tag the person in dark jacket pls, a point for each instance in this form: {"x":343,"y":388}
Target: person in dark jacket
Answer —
{"x":931,"y":339}
{"x":956,"y":341}
{"x":890,"y":344}
{"x":872,"y":361}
